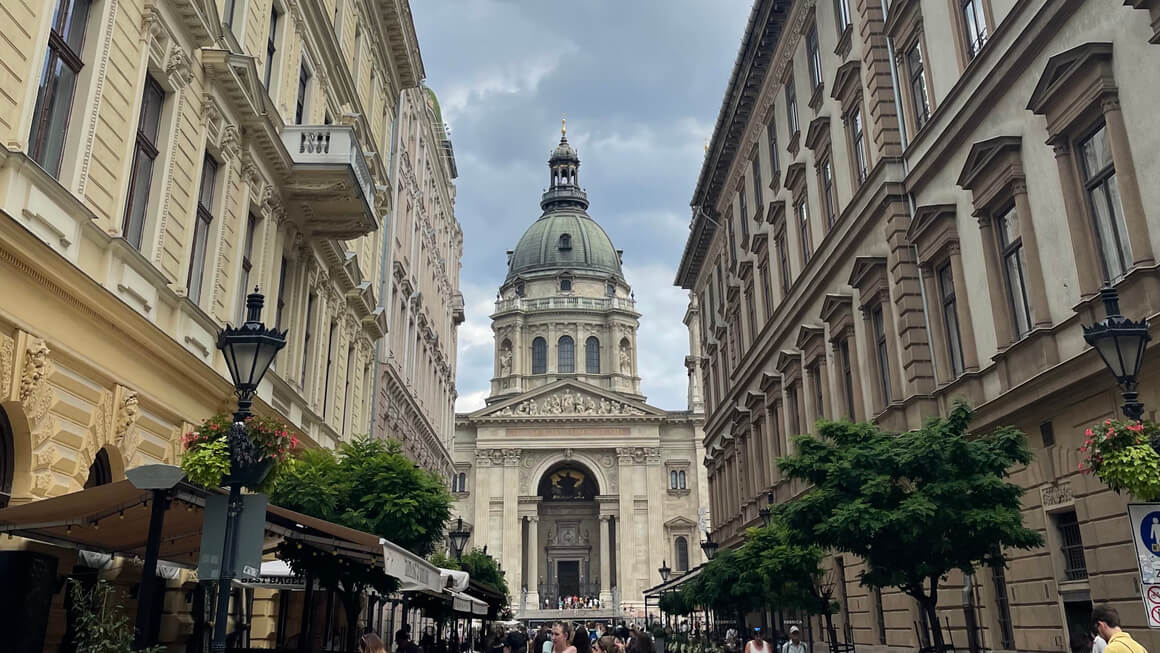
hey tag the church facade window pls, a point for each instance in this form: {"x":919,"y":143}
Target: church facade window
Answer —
{"x":565,"y":242}
{"x":592,"y":355}
{"x":539,"y":356}
{"x":566,"y":353}
{"x":681,"y":553}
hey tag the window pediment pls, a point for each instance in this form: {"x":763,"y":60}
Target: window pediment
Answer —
{"x":990,"y":169}
{"x":818,"y":133}
{"x":754,"y":400}
{"x":869,"y":276}
{"x":795,"y":177}
{"x":776,"y":215}
{"x":789,"y":363}
{"x":1072,"y":83}
{"x":811,"y":339}
{"x":905,"y":16}
{"x":838,"y":312}
{"x":847,"y":85}
{"x":770,"y":382}
{"x":932,"y":230}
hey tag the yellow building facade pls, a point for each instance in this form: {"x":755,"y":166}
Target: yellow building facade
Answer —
{"x":159,"y":160}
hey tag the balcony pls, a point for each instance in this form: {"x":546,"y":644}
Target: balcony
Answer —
{"x":330,"y":190}
{"x":564,"y":303}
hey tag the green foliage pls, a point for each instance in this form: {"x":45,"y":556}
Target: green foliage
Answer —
{"x":208,"y":463}
{"x":102,"y":624}
{"x":1120,"y":453}
{"x":914,"y":506}
{"x":483,"y":569}
{"x":791,"y":572}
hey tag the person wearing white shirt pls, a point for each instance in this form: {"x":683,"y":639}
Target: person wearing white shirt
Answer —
{"x":795,"y":643}
{"x":1099,"y":644}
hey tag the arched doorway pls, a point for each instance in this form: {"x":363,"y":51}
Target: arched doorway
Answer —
{"x":101,"y":471}
{"x":568,"y":535}
{"x":7,"y":458}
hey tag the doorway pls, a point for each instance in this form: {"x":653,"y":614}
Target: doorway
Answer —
{"x":568,"y":576}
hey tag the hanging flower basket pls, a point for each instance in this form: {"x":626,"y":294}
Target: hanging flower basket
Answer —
{"x":1120,"y":453}
{"x":266,"y":446}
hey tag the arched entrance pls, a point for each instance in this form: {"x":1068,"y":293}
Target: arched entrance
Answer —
{"x":7,"y":459}
{"x":568,"y":536}
{"x":101,"y":471}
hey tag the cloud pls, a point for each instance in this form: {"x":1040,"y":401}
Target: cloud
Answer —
{"x":641,"y":83}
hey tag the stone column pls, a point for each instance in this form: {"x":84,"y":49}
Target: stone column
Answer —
{"x":1126,"y":181}
{"x":533,"y":583}
{"x":512,"y":553}
{"x":605,"y":562}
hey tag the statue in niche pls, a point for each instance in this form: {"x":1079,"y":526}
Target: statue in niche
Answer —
{"x":505,"y":360}
{"x":566,"y":486}
{"x":625,"y":358}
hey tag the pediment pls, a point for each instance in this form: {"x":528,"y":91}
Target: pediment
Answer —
{"x":818,"y":132}
{"x":568,"y":399}
{"x":1064,"y":66}
{"x":982,"y":158}
{"x":679,"y":522}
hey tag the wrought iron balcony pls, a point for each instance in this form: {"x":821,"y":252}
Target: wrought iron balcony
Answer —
{"x":331,"y":190}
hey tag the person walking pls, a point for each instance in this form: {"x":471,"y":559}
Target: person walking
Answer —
{"x":795,"y":643}
{"x":1107,"y":622}
{"x":757,"y":644}
{"x":562,"y":638}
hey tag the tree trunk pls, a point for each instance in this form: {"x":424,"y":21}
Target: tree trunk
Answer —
{"x":930,"y":608}
{"x":830,"y":632}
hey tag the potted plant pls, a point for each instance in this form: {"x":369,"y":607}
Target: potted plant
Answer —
{"x":259,"y":449}
{"x":1121,"y":454}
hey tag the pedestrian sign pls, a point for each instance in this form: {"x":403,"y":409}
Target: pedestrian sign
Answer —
{"x":1145,"y":519}
{"x":1152,"y":605}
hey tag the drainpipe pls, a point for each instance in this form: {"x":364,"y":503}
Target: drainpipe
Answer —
{"x":903,"y":142}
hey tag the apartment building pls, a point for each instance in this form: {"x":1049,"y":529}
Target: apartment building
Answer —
{"x":162,"y":159}
{"x":910,"y":202}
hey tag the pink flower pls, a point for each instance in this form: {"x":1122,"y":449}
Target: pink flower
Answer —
{"x":1087,"y":432}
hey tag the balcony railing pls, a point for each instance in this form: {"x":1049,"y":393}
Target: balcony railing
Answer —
{"x":331,"y":181}
{"x":529,"y":305}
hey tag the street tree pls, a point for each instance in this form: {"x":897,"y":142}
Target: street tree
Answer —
{"x":914,"y":506}
{"x":368,"y":485}
{"x":791,"y":572}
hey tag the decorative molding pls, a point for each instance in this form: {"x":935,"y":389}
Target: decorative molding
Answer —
{"x":567,"y":403}
{"x":98,"y":93}
{"x":7,"y":358}
{"x":1056,"y":496}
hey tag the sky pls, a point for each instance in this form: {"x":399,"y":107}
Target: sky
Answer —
{"x":641,"y":83}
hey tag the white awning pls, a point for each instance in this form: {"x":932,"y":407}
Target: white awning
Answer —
{"x":454,"y":579}
{"x":414,"y":573}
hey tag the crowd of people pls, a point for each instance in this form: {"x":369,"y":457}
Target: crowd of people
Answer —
{"x":573,"y":603}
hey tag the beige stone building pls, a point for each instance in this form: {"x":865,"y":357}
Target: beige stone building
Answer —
{"x":158,"y":160}
{"x":574,"y":483}
{"x":908,"y":202}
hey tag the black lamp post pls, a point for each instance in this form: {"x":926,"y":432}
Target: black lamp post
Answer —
{"x":248,"y":350}
{"x":766,"y":513}
{"x":458,"y":537}
{"x":664,"y":571}
{"x":1121,"y":343}
{"x":709,"y":546}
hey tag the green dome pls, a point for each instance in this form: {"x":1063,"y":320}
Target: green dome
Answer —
{"x":586,"y":249}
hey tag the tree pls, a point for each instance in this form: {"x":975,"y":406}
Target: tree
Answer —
{"x":483,"y":569}
{"x":791,"y":572}
{"x":914,"y":506}
{"x":368,"y":485}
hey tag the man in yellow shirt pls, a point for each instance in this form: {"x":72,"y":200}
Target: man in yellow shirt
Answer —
{"x":1107,"y":622}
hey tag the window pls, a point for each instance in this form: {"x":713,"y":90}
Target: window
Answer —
{"x":974,"y":24}
{"x":566,"y":284}
{"x":842,"y":15}
{"x":803,"y":217}
{"x":539,"y":356}
{"x":307,"y":336}
{"x":916,"y":77}
{"x":1071,"y":544}
{"x":758,"y":200}
{"x":201,"y":227}
{"x":247,"y":265}
{"x":732,"y":238}
{"x":858,"y":144}
{"x":826,"y":175}
{"x":1014,"y":272}
{"x":610,"y":289}
{"x":144,"y":154}
{"x":751,"y":311}
{"x":565,"y":241}
{"x":329,"y":367}
{"x":565,"y":355}
{"x":815,"y":58}
{"x":271,"y":44}
{"x":280,"y":307}
{"x":592,"y":355}
{"x":459,"y":482}
{"x":58,"y":82}
{"x":794,"y":418}
{"x":946,"y":290}
{"x":771,"y":137}
{"x":782,"y":262}
{"x":1099,"y":178}
{"x":847,"y":376}
{"x":744,"y":211}
{"x":879,"y":324}
{"x":304,"y":76}
{"x":766,"y":294}
{"x":349,"y":374}
{"x":681,"y":480}
{"x":673,"y":480}
{"x":228,"y":13}
{"x":519,"y":289}
{"x":681,"y":545}
{"x":791,"y":106}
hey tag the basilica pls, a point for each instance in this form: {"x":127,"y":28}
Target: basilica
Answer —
{"x":577,"y":486}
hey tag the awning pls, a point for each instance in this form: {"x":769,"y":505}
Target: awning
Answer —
{"x":414,"y":573}
{"x":454,"y":579}
{"x":669,"y":586}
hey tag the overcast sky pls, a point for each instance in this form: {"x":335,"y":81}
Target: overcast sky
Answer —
{"x":641,"y":82}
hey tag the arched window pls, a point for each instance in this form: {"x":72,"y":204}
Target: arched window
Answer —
{"x":673,"y":480}
{"x":7,"y":459}
{"x":681,"y":480}
{"x":519,"y":289}
{"x":539,"y":356}
{"x":100,"y":472}
{"x":682,"y":553}
{"x":566,"y":352}
{"x":459,"y":482}
{"x":566,"y":284}
{"x":565,"y":241}
{"x":592,"y":355}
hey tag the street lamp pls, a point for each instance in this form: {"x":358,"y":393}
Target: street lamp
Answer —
{"x":709,"y":546}
{"x":458,"y":537}
{"x":766,"y":513}
{"x":664,"y":571}
{"x":249,"y":350}
{"x":1121,"y":343}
